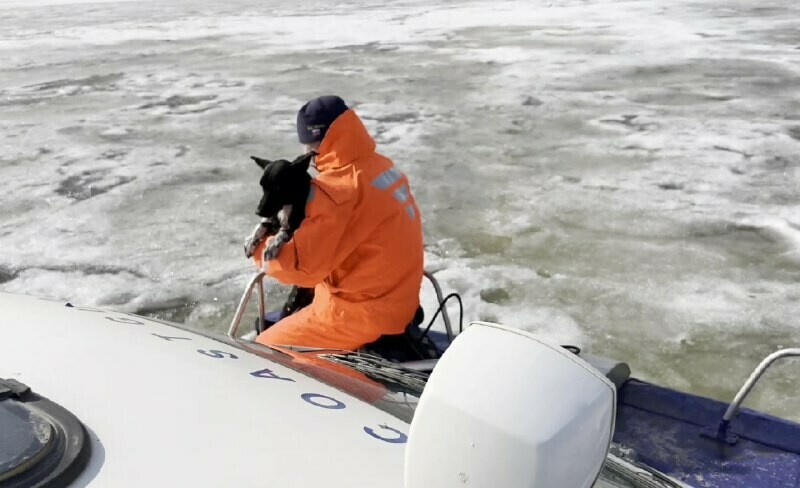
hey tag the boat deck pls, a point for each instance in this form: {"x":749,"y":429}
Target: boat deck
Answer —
{"x":664,"y":427}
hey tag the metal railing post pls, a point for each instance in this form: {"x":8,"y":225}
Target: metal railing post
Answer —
{"x":748,"y":386}
{"x":439,"y":298}
{"x":262,"y":306}
{"x":240,"y":310}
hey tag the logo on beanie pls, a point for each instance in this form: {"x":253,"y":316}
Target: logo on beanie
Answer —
{"x":316,"y":130}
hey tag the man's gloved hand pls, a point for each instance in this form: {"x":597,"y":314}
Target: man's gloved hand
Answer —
{"x":264,"y":229}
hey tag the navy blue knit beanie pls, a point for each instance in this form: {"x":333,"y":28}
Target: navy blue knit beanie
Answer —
{"x":315,"y":118}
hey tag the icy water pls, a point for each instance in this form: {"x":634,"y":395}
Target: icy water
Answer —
{"x":624,"y":175}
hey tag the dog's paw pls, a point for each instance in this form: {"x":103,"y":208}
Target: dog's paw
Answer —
{"x":274,"y":245}
{"x":254,"y":239}
{"x":250,"y":246}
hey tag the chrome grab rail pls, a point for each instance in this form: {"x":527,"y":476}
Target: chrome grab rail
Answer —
{"x":748,"y":386}
{"x":439,"y":298}
{"x":258,"y":281}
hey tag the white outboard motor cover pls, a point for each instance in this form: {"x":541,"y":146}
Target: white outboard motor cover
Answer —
{"x":505,"y":409}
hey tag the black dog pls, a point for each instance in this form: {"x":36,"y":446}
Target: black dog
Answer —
{"x":285,"y":186}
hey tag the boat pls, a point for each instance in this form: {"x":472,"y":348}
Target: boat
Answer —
{"x":95,"y":397}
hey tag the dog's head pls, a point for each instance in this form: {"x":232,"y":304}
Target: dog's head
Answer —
{"x":283,"y":183}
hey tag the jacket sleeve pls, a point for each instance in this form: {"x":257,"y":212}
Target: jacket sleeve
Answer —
{"x":317,"y":247}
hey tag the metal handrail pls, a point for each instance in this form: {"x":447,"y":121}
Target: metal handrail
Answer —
{"x":749,"y":384}
{"x":439,"y":297}
{"x":258,"y":281}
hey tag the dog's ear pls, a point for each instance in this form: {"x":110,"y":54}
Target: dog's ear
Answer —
{"x":304,"y":161}
{"x":262,"y":163}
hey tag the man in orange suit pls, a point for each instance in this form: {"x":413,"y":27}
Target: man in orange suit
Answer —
{"x":360,"y":244}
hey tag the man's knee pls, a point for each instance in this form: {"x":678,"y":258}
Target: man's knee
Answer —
{"x":294,"y":330}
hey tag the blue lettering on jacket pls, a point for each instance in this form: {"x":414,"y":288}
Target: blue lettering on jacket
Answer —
{"x":386,"y":179}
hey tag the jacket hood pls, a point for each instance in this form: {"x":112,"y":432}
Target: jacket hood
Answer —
{"x":346,"y":141}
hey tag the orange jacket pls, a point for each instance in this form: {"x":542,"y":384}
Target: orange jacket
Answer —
{"x":360,"y":246}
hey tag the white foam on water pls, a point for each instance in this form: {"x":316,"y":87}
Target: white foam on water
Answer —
{"x":276,"y":30}
{"x":780,"y":231}
{"x":95,"y":289}
{"x":50,"y":3}
{"x":471,"y":279}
